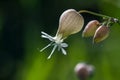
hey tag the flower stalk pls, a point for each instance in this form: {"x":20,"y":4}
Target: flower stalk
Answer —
{"x":93,"y":13}
{"x":100,"y":15}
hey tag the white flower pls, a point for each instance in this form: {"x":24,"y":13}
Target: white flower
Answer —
{"x":70,"y":22}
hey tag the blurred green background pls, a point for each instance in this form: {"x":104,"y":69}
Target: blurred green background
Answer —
{"x":21,"y":22}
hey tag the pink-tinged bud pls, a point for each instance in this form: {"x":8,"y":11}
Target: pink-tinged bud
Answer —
{"x":70,"y":22}
{"x":101,"y":33}
{"x":90,"y":28}
{"x":84,"y":71}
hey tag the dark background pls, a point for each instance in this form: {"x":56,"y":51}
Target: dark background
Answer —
{"x":21,"y":22}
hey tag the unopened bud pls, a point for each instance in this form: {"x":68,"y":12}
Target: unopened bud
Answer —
{"x":90,"y":28}
{"x":84,"y":71}
{"x":101,"y":33}
{"x":70,"y":22}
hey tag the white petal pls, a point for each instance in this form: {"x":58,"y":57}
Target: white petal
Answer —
{"x":63,"y":51}
{"x":45,"y":35}
{"x":52,"y":52}
{"x":46,"y":47}
{"x":64,"y":45}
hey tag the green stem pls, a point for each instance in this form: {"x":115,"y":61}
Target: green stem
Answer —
{"x":114,"y":20}
{"x":109,"y":21}
{"x":93,"y":13}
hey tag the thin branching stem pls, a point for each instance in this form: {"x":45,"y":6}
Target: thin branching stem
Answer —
{"x":115,"y":20}
{"x":93,"y":13}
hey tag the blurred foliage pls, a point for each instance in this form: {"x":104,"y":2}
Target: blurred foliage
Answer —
{"x":21,"y":22}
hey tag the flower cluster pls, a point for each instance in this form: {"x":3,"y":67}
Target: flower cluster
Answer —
{"x":72,"y":22}
{"x":97,"y":30}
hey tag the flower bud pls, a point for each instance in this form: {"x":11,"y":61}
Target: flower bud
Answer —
{"x":70,"y":22}
{"x":101,"y":33}
{"x":90,"y":28}
{"x":84,"y":71}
